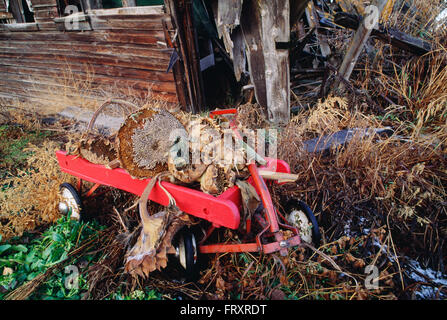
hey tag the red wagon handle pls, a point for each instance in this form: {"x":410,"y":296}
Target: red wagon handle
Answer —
{"x":222,"y":112}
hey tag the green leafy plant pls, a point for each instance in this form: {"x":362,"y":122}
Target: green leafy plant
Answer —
{"x":147,"y":294}
{"x":23,"y":262}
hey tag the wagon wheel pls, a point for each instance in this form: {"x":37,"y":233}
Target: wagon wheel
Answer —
{"x":302,"y":217}
{"x":187,"y":253}
{"x":70,"y":203}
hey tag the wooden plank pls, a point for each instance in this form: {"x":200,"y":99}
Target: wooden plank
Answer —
{"x":32,"y":87}
{"x":251,"y":30}
{"x":46,"y":13}
{"x":395,"y":37}
{"x":103,"y":53}
{"x":44,"y":5}
{"x":228,"y":18}
{"x":69,"y":67}
{"x":238,"y":52}
{"x":177,"y":69}
{"x":98,"y":36}
{"x":147,"y":17}
{"x":30,"y":93}
{"x":174,"y":10}
{"x":228,"y":28}
{"x":127,"y":51}
{"x":108,"y":24}
{"x":58,"y":79}
{"x":193,"y":55}
{"x":276,"y":28}
{"x":36,"y":3}
{"x":86,"y":74}
{"x":19,"y":27}
{"x":146,"y":10}
{"x":38,"y":97}
{"x":46,"y":25}
{"x":114,"y":61}
{"x":357,"y":43}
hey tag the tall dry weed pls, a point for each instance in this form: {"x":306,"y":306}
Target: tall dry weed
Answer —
{"x":30,"y":199}
{"x":403,"y":175}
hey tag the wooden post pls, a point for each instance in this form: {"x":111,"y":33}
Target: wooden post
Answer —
{"x":275,"y":21}
{"x":357,"y":43}
{"x":177,"y":70}
{"x":228,"y":21}
{"x":186,"y":47}
{"x":251,"y":30}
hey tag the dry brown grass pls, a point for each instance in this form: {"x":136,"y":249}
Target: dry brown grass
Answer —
{"x":395,"y":183}
{"x":420,"y":89}
{"x":416,"y":17}
{"x":80,"y":89}
{"x":31,"y":198}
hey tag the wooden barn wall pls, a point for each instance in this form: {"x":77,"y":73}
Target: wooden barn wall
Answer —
{"x":121,"y":51}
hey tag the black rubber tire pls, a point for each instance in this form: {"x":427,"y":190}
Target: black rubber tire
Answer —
{"x":191,"y":263}
{"x":316,"y":235}
{"x":75,"y":195}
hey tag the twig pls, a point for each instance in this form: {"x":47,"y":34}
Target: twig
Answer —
{"x":330,"y":260}
{"x":120,"y":219}
{"x":394,"y":250}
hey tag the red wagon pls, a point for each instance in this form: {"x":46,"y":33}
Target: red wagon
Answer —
{"x":220,"y":211}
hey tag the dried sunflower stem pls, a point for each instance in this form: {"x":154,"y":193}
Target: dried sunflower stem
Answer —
{"x":120,"y":219}
{"x":119,"y":102}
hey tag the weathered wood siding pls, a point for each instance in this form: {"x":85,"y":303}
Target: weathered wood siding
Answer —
{"x":2,"y":6}
{"x":117,"y":49}
{"x":44,"y":13}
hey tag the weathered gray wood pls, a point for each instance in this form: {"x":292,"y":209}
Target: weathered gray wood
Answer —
{"x":357,"y":44}
{"x":228,"y":18}
{"x":44,"y":5}
{"x":99,"y":23}
{"x":238,"y":52}
{"x":228,"y":14}
{"x":275,"y":17}
{"x":137,"y":11}
{"x":124,"y":61}
{"x":176,"y":10}
{"x":395,"y":37}
{"x":251,"y":29}
{"x":18,"y":27}
{"x":75,"y":22}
